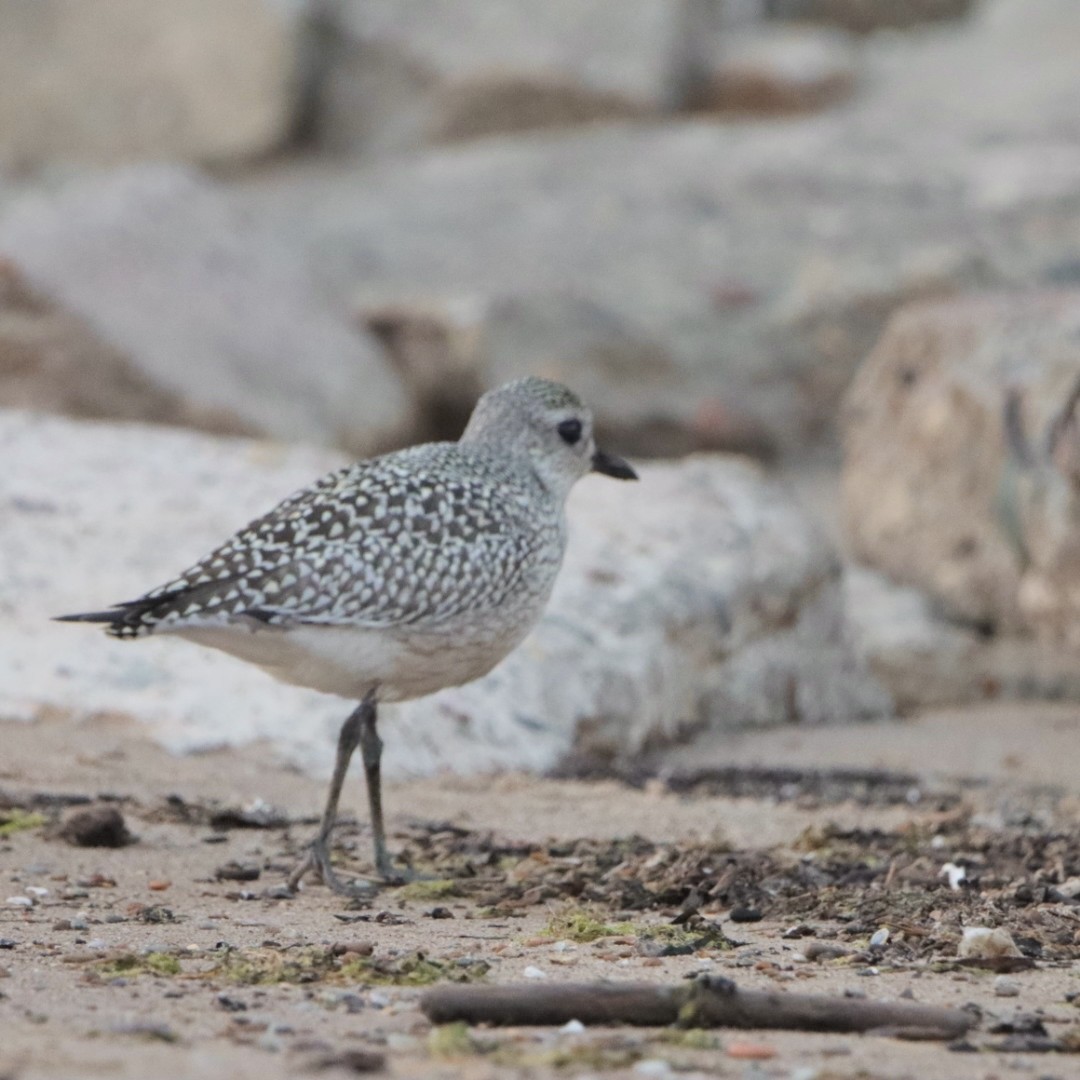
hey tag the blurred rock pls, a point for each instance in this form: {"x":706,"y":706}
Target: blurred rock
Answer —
{"x":116,"y":80}
{"x":702,"y":597}
{"x":865,"y":15}
{"x":777,"y":69}
{"x":674,"y":254}
{"x":926,"y":661}
{"x":931,"y":496}
{"x":397,"y":75}
{"x":450,"y":352}
{"x":153,"y":298}
{"x":52,"y":360}
{"x":749,"y":267}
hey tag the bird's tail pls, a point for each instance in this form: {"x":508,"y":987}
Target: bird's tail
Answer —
{"x":89,"y":616}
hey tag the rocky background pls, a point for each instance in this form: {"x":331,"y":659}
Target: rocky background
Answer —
{"x":820,"y":256}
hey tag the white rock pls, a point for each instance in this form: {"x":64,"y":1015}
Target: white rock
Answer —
{"x":20,"y":901}
{"x":984,"y":943}
{"x":572,"y":1027}
{"x":1006,"y":987}
{"x":533,"y":972}
{"x":701,"y":596}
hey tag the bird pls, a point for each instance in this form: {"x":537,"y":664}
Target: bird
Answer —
{"x":392,"y":577}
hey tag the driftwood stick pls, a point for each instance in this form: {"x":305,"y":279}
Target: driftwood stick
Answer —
{"x":709,"y":1001}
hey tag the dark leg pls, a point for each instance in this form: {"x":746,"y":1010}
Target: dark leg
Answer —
{"x":318,"y":857}
{"x":371,"y":751}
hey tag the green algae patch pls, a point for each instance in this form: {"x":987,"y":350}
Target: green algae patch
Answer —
{"x":439,"y":889}
{"x":129,"y":964}
{"x":448,"y":1041}
{"x":413,"y":969}
{"x":579,"y":1056}
{"x":15,"y":820}
{"x":669,"y":940}
{"x":263,"y":966}
{"x":583,"y":926}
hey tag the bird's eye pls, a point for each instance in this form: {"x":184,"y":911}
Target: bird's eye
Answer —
{"x":570,"y":431}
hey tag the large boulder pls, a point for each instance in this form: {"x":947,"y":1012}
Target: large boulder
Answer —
{"x":699,"y":598}
{"x":748,"y":268}
{"x":215,"y":319}
{"x":118,"y":80}
{"x":962,"y":459}
{"x":397,"y":75}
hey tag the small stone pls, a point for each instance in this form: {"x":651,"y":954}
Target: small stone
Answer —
{"x":236,"y":871}
{"x":572,"y":1027}
{"x":20,"y":901}
{"x":532,"y":972}
{"x":745,"y":915}
{"x":984,"y":943}
{"x":749,"y":1051}
{"x":355,"y":1061}
{"x":440,"y":913}
{"x":880,"y":939}
{"x":1006,"y":987}
{"x":96,"y":826}
{"x":655,"y":1067}
{"x":818,"y":950}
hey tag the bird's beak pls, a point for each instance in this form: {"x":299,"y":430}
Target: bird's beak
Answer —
{"x":610,"y":465}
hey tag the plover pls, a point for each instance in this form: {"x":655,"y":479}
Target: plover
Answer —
{"x":393,"y":577}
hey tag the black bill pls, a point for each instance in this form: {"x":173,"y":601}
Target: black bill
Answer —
{"x":610,"y":465}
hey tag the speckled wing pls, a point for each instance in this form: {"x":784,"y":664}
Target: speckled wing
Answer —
{"x":415,"y":537}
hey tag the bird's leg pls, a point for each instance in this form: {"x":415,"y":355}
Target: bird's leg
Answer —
{"x":371,"y":747}
{"x":318,"y":856}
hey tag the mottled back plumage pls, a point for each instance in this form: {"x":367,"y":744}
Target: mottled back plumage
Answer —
{"x":413,"y":538}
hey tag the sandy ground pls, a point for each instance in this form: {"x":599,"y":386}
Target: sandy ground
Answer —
{"x":70,"y":1008}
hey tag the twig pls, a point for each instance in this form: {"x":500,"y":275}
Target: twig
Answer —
{"x":708,"y":1001}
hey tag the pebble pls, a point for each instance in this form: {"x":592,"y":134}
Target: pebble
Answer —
{"x":533,"y":972}
{"x":36,"y":890}
{"x":749,"y":1051}
{"x":981,"y":942}
{"x":652,"y":1067}
{"x":745,"y":915}
{"x":880,"y":939}
{"x":1006,"y":987}
{"x":20,"y":901}
{"x":96,"y":826}
{"x":572,"y":1027}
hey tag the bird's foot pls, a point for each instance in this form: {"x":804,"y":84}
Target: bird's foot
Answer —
{"x":317,"y":860}
{"x":392,"y":874}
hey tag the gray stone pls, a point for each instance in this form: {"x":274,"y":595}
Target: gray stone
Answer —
{"x":399,"y":75}
{"x":118,"y":80}
{"x":52,"y":360}
{"x":932,"y":496}
{"x":206,"y":307}
{"x":702,"y":599}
